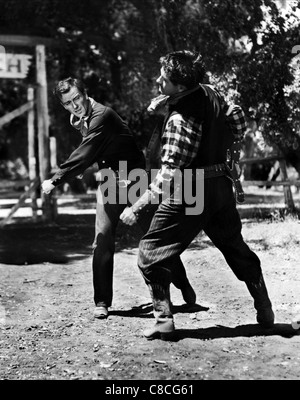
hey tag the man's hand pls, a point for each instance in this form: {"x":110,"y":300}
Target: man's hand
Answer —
{"x":47,"y":186}
{"x":128,"y":217}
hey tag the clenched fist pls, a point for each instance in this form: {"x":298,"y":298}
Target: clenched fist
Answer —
{"x":47,"y":186}
{"x":128,"y":217}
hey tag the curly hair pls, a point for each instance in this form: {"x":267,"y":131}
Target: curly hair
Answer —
{"x":184,"y":68}
{"x":65,"y":85}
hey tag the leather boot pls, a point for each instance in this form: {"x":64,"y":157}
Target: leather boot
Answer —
{"x":164,"y":323}
{"x":265,"y":315}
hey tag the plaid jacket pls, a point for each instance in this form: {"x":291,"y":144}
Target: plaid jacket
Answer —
{"x":180,"y":143}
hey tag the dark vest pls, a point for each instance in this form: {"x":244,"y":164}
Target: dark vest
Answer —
{"x":204,"y":106}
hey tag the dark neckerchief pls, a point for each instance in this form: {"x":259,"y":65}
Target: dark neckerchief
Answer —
{"x":161,"y":101}
{"x":81,"y":124}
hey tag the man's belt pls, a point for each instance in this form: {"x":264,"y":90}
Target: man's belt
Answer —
{"x":215,"y":170}
{"x":232,"y":173}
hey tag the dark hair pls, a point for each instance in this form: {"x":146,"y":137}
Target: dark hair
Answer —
{"x":65,"y":85}
{"x":184,"y":68}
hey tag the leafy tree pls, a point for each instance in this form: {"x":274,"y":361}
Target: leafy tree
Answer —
{"x":115,"y":45}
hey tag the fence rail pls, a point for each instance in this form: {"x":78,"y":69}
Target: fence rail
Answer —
{"x":271,"y":183}
{"x":285,"y":181}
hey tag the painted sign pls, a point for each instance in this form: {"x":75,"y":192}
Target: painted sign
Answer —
{"x":14,"y":65}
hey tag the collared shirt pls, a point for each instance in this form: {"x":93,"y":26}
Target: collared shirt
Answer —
{"x":82,"y":124}
{"x":106,"y":140}
{"x":180,"y":142}
{"x":235,"y":117}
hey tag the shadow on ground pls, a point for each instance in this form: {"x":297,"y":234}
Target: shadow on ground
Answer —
{"x":146,"y":310}
{"x":221,"y":332}
{"x":68,"y":239}
{"x":214,"y":332}
{"x":250,"y":330}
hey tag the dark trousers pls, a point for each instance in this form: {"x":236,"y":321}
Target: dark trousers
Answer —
{"x":107,"y":218}
{"x":172,"y":230}
{"x":179,"y":277}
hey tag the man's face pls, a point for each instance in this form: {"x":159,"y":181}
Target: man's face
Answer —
{"x":75,"y":102}
{"x":165,"y":86}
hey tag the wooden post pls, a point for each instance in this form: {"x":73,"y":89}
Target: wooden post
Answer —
{"x":31,"y":151}
{"x":43,"y":129}
{"x":53,"y":153}
{"x":289,"y":201}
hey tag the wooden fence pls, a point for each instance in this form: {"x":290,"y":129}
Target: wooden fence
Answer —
{"x":285,"y":182}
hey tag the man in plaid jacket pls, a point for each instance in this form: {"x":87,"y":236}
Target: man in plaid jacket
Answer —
{"x":198,"y":129}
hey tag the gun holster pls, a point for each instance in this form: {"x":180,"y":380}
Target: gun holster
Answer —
{"x":234,"y":175}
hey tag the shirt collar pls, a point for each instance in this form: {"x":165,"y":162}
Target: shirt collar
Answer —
{"x":81,"y":124}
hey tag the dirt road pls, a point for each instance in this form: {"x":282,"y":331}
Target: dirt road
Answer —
{"x":47,"y":330}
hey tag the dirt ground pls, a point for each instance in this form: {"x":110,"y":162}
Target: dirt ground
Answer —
{"x":47,"y":329}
